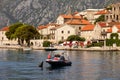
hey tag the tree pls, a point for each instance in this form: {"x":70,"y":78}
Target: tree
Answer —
{"x":46,"y":44}
{"x":27,"y":32}
{"x":114,"y":36}
{"x":100,"y":18}
{"x":12,"y":28}
{"x":75,"y":38}
{"x":22,"y":32}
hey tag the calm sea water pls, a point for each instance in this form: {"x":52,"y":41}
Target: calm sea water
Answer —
{"x":86,"y":65}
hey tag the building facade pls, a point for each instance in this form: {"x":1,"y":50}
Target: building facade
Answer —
{"x":3,"y":38}
{"x":114,"y":14}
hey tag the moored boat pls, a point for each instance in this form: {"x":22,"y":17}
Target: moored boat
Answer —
{"x":27,"y":48}
{"x":50,"y":49}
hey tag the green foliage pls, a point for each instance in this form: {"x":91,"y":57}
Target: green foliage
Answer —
{"x":114,"y":36}
{"x":27,"y":32}
{"x":100,"y":44}
{"x":12,"y":28}
{"x":100,"y":18}
{"x":109,"y":7}
{"x":46,"y":44}
{"x":85,"y":18}
{"x":23,"y":32}
{"x":113,"y":40}
{"x":60,"y":42}
{"x":110,"y":42}
{"x":75,"y":38}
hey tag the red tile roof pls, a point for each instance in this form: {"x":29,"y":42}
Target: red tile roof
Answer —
{"x":118,"y":26}
{"x":67,"y":16}
{"x":102,"y":24}
{"x":46,"y":26}
{"x":4,"y":29}
{"x":77,"y":17}
{"x":113,"y":23}
{"x":102,"y":12}
{"x":83,"y":21}
{"x":42,"y":27}
{"x":109,"y":30}
{"x":77,"y":22}
{"x":88,"y":28}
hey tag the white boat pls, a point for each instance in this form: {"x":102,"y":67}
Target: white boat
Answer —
{"x":27,"y":48}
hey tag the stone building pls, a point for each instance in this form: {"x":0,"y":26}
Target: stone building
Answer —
{"x":114,"y":14}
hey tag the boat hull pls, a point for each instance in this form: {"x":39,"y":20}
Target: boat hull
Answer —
{"x":59,"y":63}
{"x":50,"y":49}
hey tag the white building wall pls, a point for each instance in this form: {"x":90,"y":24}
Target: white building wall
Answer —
{"x":90,"y":14}
{"x":108,"y":35}
{"x":87,"y":35}
{"x":44,"y":31}
{"x":67,"y":31}
{"x":4,"y":40}
{"x":114,"y":29}
{"x":60,"y":20}
{"x":92,"y":34}
{"x":97,"y":32}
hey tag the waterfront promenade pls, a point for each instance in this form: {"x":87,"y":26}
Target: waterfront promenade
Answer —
{"x":64,"y":48}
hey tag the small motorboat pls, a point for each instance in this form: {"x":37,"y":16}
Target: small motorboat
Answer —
{"x":50,"y":49}
{"x":58,"y":60}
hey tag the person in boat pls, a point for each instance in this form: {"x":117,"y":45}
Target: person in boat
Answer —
{"x":49,"y":56}
{"x":62,"y":58}
{"x":56,"y":57}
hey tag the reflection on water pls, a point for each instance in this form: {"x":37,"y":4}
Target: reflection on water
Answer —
{"x":86,"y":65}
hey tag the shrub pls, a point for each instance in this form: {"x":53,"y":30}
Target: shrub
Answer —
{"x":46,"y":44}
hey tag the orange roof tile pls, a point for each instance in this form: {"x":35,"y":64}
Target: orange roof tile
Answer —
{"x":67,"y":16}
{"x":83,"y":21}
{"x":77,"y":17}
{"x":4,"y":29}
{"x":102,"y":12}
{"x":74,"y":22}
{"x":88,"y":28}
{"x":109,"y":30}
{"x":118,"y":26}
{"x":53,"y":24}
{"x":77,"y":22}
{"x":102,"y":24}
{"x":119,"y":31}
{"x":42,"y":27}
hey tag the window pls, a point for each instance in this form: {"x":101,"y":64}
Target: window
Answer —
{"x":79,"y":28}
{"x":114,"y":8}
{"x":114,"y":16}
{"x":62,"y":38}
{"x":68,"y":32}
{"x":2,"y":38}
{"x":62,"y":31}
{"x":117,"y":17}
{"x":106,"y":17}
{"x":110,"y":16}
